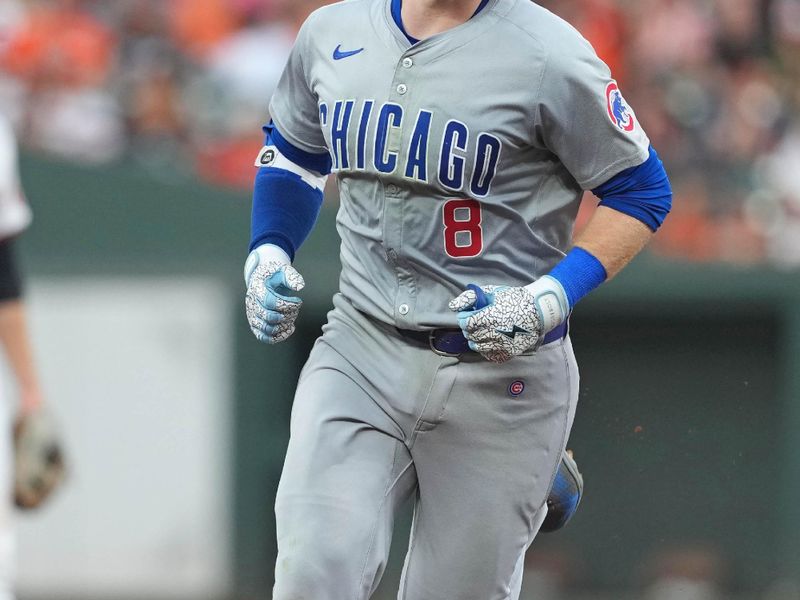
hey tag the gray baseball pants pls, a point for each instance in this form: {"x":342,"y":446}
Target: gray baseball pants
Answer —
{"x":378,"y":418}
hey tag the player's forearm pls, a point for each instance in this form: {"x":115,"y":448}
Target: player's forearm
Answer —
{"x":16,"y":344}
{"x":609,"y":242}
{"x":633,"y":205}
{"x":613,"y":238}
{"x":287,"y":195}
{"x":13,"y":328}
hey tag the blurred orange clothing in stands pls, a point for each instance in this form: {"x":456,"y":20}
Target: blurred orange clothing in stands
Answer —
{"x":199,"y":25}
{"x":60,"y":45}
{"x":603,"y":24}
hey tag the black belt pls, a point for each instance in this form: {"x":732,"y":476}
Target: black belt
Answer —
{"x":452,"y":342}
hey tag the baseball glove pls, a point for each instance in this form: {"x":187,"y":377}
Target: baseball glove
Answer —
{"x":38,"y":459}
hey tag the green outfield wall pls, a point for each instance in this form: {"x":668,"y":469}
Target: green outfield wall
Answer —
{"x":688,"y":429}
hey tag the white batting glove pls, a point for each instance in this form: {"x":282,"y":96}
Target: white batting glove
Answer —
{"x":270,"y":303}
{"x":502,"y":322}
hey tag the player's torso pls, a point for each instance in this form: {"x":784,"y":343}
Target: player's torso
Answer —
{"x":441,"y":177}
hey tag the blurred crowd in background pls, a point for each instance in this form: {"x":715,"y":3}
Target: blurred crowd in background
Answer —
{"x":181,"y":87}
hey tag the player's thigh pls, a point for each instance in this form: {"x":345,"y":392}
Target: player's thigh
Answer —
{"x":484,"y":472}
{"x":344,"y":475}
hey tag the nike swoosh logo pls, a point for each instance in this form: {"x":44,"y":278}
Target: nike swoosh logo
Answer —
{"x":339,"y":54}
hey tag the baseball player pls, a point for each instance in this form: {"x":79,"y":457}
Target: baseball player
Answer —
{"x":15,"y":216}
{"x":462,"y":134}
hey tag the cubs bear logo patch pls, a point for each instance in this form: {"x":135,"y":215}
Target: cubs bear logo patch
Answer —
{"x":619,"y":111}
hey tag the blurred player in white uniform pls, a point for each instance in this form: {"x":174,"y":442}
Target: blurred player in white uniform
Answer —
{"x":15,"y":216}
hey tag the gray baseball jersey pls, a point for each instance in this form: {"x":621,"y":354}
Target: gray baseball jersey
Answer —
{"x":461,"y":158}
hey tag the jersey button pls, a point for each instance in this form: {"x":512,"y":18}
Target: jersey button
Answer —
{"x":408,"y":63}
{"x":403,"y":309}
{"x":402,"y":89}
{"x":392,"y":188}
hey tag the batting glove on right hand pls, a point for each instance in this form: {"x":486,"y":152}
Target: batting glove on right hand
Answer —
{"x":270,"y":303}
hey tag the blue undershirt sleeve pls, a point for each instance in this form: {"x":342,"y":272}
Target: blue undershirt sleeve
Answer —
{"x":642,"y":192}
{"x":285,"y":208}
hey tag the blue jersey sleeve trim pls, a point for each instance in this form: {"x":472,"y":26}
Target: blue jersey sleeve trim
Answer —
{"x":481,"y":6}
{"x":642,"y":192}
{"x":320,"y":163}
{"x":397,"y":6}
{"x":579,"y":273}
{"x":285,"y":210}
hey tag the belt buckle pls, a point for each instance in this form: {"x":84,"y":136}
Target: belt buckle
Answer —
{"x":431,"y":343}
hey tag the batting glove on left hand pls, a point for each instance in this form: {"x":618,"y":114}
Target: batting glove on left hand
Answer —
{"x":270,"y":303}
{"x":507,"y":326}
{"x":502,"y":322}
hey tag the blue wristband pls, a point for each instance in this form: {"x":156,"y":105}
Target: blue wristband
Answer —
{"x":579,"y":273}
